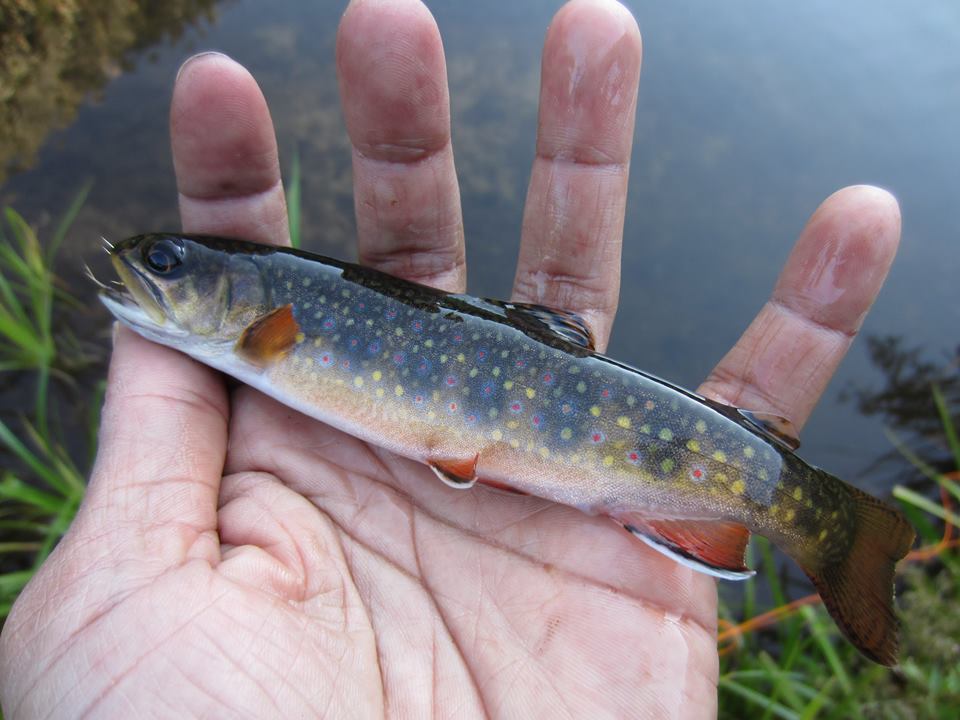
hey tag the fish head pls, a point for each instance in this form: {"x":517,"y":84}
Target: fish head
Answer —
{"x":184,"y":291}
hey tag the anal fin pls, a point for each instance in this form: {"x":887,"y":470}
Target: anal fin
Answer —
{"x":714,"y":547}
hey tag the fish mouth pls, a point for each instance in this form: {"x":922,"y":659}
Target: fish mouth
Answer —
{"x":137,"y":302}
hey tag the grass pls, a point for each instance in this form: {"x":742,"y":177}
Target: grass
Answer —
{"x":791,"y":662}
{"x":39,"y":498}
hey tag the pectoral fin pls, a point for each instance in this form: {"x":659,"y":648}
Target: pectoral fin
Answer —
{"x":269,"y":336}
{"x":714,"y":547}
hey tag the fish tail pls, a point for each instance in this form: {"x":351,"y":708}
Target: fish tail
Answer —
{"x":857,"y":586}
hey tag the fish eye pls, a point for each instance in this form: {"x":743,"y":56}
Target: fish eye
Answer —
{"x":163,"y":256}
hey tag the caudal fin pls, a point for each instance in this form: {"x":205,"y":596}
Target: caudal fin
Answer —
{"x":857,"y":589}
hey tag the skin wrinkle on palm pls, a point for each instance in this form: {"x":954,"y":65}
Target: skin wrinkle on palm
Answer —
{"x":298,"y":552}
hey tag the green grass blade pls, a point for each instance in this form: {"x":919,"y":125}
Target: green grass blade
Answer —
{"x":293,"y":201}
{"x":821,"y":636}
{"x":907,"y":495}
{"x":63,"y":227}
{"x":759,"y":699}
{"x":29,"y":459}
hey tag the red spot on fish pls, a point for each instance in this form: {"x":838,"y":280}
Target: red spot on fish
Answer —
{"x":516,"y":407}
{"x":537,"y":421}
{"x":326,"y":360}
{"x":548,"y":378}
{"x":605,"y":393}
{"x":597,"y":437}
{"x":697,"y":474}
{"x":450,"y":381}
{"x":458,"y":337}
{"x":633,"y":457}
{"x":452,"y":407}
{"x":418,"y":400}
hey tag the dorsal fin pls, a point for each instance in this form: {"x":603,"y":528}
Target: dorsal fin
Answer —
{"x":775,"y":427}
{"x":269,"y":336}
{"x":566,"y":324}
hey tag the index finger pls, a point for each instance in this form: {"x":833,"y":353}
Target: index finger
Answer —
{"x":573,"y":219}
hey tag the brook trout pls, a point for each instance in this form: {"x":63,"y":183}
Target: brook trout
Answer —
{"x":515,"y":396}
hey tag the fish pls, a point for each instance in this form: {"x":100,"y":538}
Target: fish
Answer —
{"x":516,"y":397}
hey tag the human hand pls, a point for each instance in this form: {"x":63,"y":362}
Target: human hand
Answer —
{"x":233,"y":557}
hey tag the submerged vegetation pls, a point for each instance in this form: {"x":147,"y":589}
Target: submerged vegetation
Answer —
{"x":788,"y":662}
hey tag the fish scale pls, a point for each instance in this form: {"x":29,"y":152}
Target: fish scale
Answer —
{"x":514,"y":396}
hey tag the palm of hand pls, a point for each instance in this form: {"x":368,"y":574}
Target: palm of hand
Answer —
{"x":233,"y":557}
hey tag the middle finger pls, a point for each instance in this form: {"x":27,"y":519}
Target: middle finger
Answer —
{"x":393,"y":86}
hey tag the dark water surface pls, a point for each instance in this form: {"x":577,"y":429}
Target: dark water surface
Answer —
{"x":750,"y":114}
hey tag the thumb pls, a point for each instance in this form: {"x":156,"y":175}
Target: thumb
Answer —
{"x":153,"y":491}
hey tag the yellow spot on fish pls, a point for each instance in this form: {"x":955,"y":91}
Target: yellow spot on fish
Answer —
{"x":530,"y":393}
{"x":436,"y":396}
{"x":665,"y":434}
{"x":508,"y":385}
{"x":461,"y":357}
{"x":773,"y":509}
{"x":431,"y":415}
{"x":513,"y":424}
{"x":544,"y":453}
{"x":566,"y":434}
{"x":377,"y":376}
{"x":369,"y":323}
{"x":300,"y":337}
{"x":398,"y":331}
{"x":493,"y":412}
{"x":720,"y":477}
{"x":762,"y":474}
{"x":701,"y":426}
{"x":737,"y":487}
{"x":514,"y":443}
{"x":474,"y":372}
{"x":798,"y":494}
{"x":428,"y":343}
{"x":645,"y":429}
{"x":749,"y":451}
{"x":823,"y":535}
{"x":719,"y":456}
{"x":693,"y":446}
{"x":623,"y":421}
{"x":289,"y":285}
{"x":398,"y":391}
{"x":306,"y":282}
{"x":789,"y":515}
{"x":581,"y":386}
{"x":595,"y":411}
{"x":631,"y":400}
{"x":358,"y":381}
{"x":495,"y":372}
{"x":443,"y":359}
{"x":318,"y":342}
{"x":667,"y":465}
{"x":608,"y":460}
{"x":379,"y":393}
{"x":308,"y":361}
{"x":496,"y":435}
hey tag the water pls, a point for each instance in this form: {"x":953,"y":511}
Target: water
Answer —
{"x":749,"y":115}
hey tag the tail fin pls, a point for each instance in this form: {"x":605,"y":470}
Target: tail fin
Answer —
{"x":857,"y":589}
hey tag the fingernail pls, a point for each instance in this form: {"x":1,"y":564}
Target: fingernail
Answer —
{"x":190,"y":59}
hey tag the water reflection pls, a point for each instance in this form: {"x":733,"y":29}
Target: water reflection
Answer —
{"x":53,"y":56}
{"x":905,"y":398}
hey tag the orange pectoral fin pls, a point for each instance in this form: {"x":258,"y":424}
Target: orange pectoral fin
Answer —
{"x":715,"y":547}
{"x":269,"y":336}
